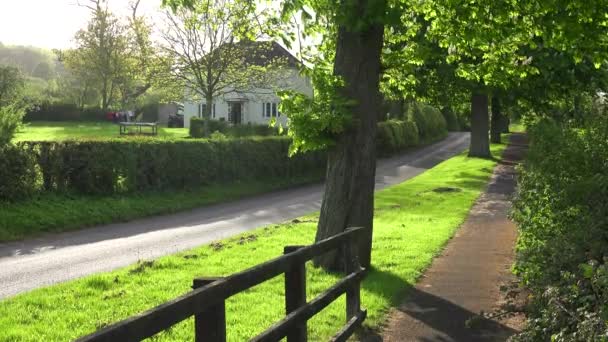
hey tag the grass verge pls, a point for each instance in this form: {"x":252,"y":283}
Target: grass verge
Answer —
{"x":412,"y":224}
{"x":54,"y":213}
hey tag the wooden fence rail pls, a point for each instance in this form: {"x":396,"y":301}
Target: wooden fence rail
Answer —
{"x":206,"y":302}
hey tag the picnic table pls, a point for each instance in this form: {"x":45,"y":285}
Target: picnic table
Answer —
{"x":125,"y":128}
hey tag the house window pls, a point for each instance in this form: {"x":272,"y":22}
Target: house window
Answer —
{"x":202,"y":110}
{"x":270,"y":109}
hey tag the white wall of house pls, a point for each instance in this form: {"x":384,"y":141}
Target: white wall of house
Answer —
{"x":258,"y":106}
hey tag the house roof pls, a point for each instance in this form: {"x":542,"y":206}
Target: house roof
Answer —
{"x":263,"y":53}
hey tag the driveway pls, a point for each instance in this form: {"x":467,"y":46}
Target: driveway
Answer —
{"x":52,"y":259}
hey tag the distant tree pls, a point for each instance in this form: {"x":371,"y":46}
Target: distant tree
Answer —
{"x":11,"y":85}
{"x":99,"y":58}
{"x":43,"y":70}
{"x":11,"y":106}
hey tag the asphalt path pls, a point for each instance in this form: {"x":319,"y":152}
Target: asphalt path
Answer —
{"x":30,"y":264}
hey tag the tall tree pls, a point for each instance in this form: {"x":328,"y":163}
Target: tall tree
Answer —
{"x":483,"y":40}
{"x":343,"y":115}
{"x":11,"y":84}
{"x":100,"y":51}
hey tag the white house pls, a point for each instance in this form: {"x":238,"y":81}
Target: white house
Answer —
{"x":258,"y":105}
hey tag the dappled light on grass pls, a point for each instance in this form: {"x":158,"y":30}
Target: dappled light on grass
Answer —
{"x":412,"y":224}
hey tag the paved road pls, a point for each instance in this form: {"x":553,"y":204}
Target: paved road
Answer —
{"x":52,"y":259}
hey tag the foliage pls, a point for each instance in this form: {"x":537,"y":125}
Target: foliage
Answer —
{"x":10,"y":121}
{"x":429,"y":120}
{"x":29,"y":60}
{"x":404,"y":244}
{"x":11,"y":85}
{"x":136,"y":165}
{"x":562,"y":213}
{"x":316,"y":122}
{"x":451,"y":119}
{"x":395,"y":135}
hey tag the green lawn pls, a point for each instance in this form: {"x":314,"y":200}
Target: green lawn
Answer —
{"x":77,"y":130}
{"x":53,"y":213}
{"x":517,"y":127}
{"x":412,"y":224}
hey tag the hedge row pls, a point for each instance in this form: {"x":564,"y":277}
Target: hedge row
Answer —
{"x":429,"y":120}
{"x":424,"y":124}
{"x":561,"y":210}
{"x":237,"y":131}
{"x":118,"y":166}
{"x":394,"y":136}
{"x":63,"y":112}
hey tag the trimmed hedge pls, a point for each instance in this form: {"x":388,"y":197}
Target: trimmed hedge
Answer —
{"x":237,"y":131}
{"x":451,"y":119}
{"x":394,"y":136}
{"x":429,"y":120}
{"x":63,"y":112}
{"x":18,"y":176}
{"x":135,"y":165}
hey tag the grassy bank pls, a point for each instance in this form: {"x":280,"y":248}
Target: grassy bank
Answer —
{"x":412,"y":223}
{"x":51,"y":213}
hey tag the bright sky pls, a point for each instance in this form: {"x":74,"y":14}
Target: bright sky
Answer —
{"x":53,"y":23}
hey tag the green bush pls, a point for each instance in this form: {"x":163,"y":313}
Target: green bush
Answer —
{"x":562,"y":213}
{"x":451,"y":120}
{"x":394,"y":136}
{"x":135,"y":165}
{"x":429,"y":120}
{"x":10,"y":120}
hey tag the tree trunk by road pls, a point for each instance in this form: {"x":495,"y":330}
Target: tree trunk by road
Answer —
{"x":480,"y":141}
{"x":349,"y":191}
{"x":497,"y":123}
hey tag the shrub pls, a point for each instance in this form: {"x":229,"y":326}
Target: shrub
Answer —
{"x":394,"y":136}
{"x":149,"y":112}
{"x":562,"y":213}
{"x":10,"y":120}
{"x":140,"y":164}
{"x":450,"y":119}
{"x":237,"y":131}
{"x":431,"y":124}
{"x":197,"y":127}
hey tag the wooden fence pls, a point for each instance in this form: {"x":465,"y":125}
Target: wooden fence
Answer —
{"x":206,"y":302}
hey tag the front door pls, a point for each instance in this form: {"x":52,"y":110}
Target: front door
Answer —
{"x":236,"y":113}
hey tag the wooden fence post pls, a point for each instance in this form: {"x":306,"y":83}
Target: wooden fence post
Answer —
{"x":210,"y":324}
{"x":351,"y":265}
{"x":295,"y":295}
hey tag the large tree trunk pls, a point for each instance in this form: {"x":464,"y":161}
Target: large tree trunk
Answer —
{"x":497,"y":123}
{"x":480,"y":141}
{"x":349,"y":191}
